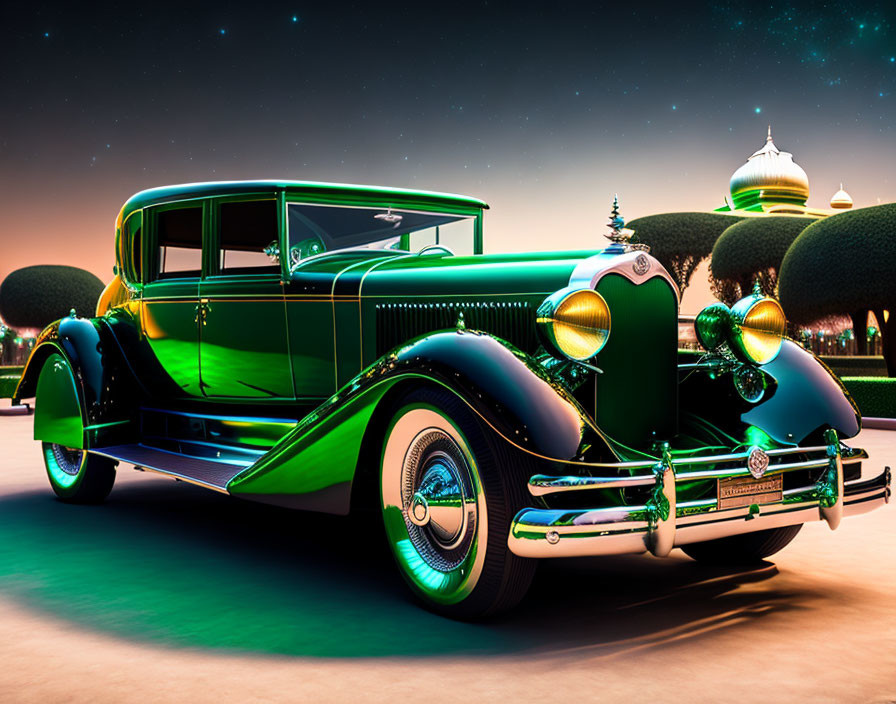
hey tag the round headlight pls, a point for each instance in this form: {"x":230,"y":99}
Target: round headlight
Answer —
{"x":712,"y":326}
{"x":574,"y":323}
{"x":757,"y":330}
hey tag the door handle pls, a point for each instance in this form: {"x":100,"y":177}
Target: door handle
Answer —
{"x":202,"y":309}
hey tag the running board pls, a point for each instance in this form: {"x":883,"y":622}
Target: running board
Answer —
{"x":196,"y":470}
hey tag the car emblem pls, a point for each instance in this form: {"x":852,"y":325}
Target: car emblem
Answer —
{"x":758,"y":462}
{"x":641,"y":265}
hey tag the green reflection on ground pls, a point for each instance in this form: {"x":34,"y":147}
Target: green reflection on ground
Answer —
{"x":183,"y":568}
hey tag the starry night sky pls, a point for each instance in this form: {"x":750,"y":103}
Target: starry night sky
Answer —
{"x":544,"y":110}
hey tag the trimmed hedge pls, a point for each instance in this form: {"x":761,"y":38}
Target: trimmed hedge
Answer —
{"x":680,"y":241}
{"x":856,"y":365}
{"x":875,"y":396}
{"x":35,"y":296}
{"x":752,"y":249}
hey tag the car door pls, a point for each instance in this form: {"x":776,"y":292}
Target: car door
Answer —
{"x":244,"y":350}
{"x":172,"y":266}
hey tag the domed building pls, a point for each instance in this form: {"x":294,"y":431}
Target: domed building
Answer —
{"x":771,"y":182}
{"x":841,"y":200}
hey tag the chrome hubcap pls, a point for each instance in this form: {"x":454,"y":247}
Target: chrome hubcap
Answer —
{"x":438,"y":499}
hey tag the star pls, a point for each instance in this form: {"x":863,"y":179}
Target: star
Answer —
{"x":222,"y":31}
{"x":295,"y":18}
{"x":757,"y":110}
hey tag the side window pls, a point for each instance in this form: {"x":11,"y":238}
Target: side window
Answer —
{"x":249,"y":240}
{"x":132,"y":248}
{"x":179,"y":241}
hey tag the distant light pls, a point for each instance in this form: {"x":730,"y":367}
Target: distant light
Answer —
{"x":222,"y":31}
{"x":758,"y":110}
{"x":675,"y":107}
{"x":295,"y":18}
{"x":893,"y":59}
{"x":47,"y":36}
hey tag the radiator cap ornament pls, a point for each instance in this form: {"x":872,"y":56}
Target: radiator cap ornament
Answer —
{"x":641,"y":265}
{"x":758,"y":462}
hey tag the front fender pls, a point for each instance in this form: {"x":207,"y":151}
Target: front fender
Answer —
{"x":313,"y":466}
{"x":807,"y":398}
{"x":802,"y":399}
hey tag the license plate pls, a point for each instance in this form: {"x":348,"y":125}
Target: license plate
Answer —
{"x":745,"y":491}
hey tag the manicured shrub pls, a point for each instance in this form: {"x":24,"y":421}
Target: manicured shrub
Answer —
{"x":875,"y":396}
{"x":35,"y":296}
{"x":680,"y":241}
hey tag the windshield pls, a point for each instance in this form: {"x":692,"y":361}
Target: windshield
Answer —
{"x":323,"y":228}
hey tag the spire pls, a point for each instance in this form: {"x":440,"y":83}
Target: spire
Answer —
{"x":616,"y":221}
{"x":769,"y":138}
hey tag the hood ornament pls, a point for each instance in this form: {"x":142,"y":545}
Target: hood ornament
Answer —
{"x":619,"y":235}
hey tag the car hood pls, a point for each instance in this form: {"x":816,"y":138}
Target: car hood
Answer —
{"x":446,"y":275}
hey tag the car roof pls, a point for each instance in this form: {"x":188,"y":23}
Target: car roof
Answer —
{"x":314,"y":191}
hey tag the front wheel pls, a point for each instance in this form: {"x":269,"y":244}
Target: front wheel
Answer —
{"x":449,"y":490}
{"x":77,"y":476}
{"x":742,"y":549}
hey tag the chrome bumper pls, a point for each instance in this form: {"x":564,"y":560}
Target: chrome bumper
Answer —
{"x":663,"y":523}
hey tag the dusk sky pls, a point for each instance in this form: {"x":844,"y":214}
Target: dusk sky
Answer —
{"x":544,"y":110}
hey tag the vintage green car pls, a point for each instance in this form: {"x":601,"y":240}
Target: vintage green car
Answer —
{"x":335,"y":347}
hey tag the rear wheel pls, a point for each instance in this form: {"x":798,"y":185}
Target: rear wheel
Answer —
{"x":742,"y":549}
{"x":449,"y":490}
{"x":77,"y":476}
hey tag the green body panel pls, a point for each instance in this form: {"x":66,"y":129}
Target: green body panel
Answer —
{"x":311,"y":346}
{"x":58,"y":417}
{"x":313,"y":459}
{"x":169,"y":321}
{"x":243,"y":340}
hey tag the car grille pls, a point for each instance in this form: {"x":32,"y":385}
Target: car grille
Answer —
{"x":636,"y":398}
{"x":512,"y":321}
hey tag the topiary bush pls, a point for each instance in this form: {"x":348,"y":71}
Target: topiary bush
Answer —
{"x":35,"y":296}
{"x":752,"y":250}
{"x":680,"y":241}
{"x":845,"y":264}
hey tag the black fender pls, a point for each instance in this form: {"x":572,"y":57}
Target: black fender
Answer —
{"x":805,"y":398}
{"x":509,"y":389}
{"x":106,"y":389}
{"x":315,"y":465}
{"x":802,"y":399}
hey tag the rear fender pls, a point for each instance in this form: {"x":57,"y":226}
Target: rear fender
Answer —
{"x":314,"y":465}
{"x":84,"y":350}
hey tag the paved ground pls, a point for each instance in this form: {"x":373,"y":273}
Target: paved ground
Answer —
{"x":172,"y":593}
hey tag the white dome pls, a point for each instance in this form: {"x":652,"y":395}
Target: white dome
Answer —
{"x":841,"y":200}
{"x":772,"y":174}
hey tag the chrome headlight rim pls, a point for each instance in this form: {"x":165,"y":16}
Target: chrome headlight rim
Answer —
{"x":554,"y":322}
{"x":741,"y":329}
{"x":717,"y":325}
